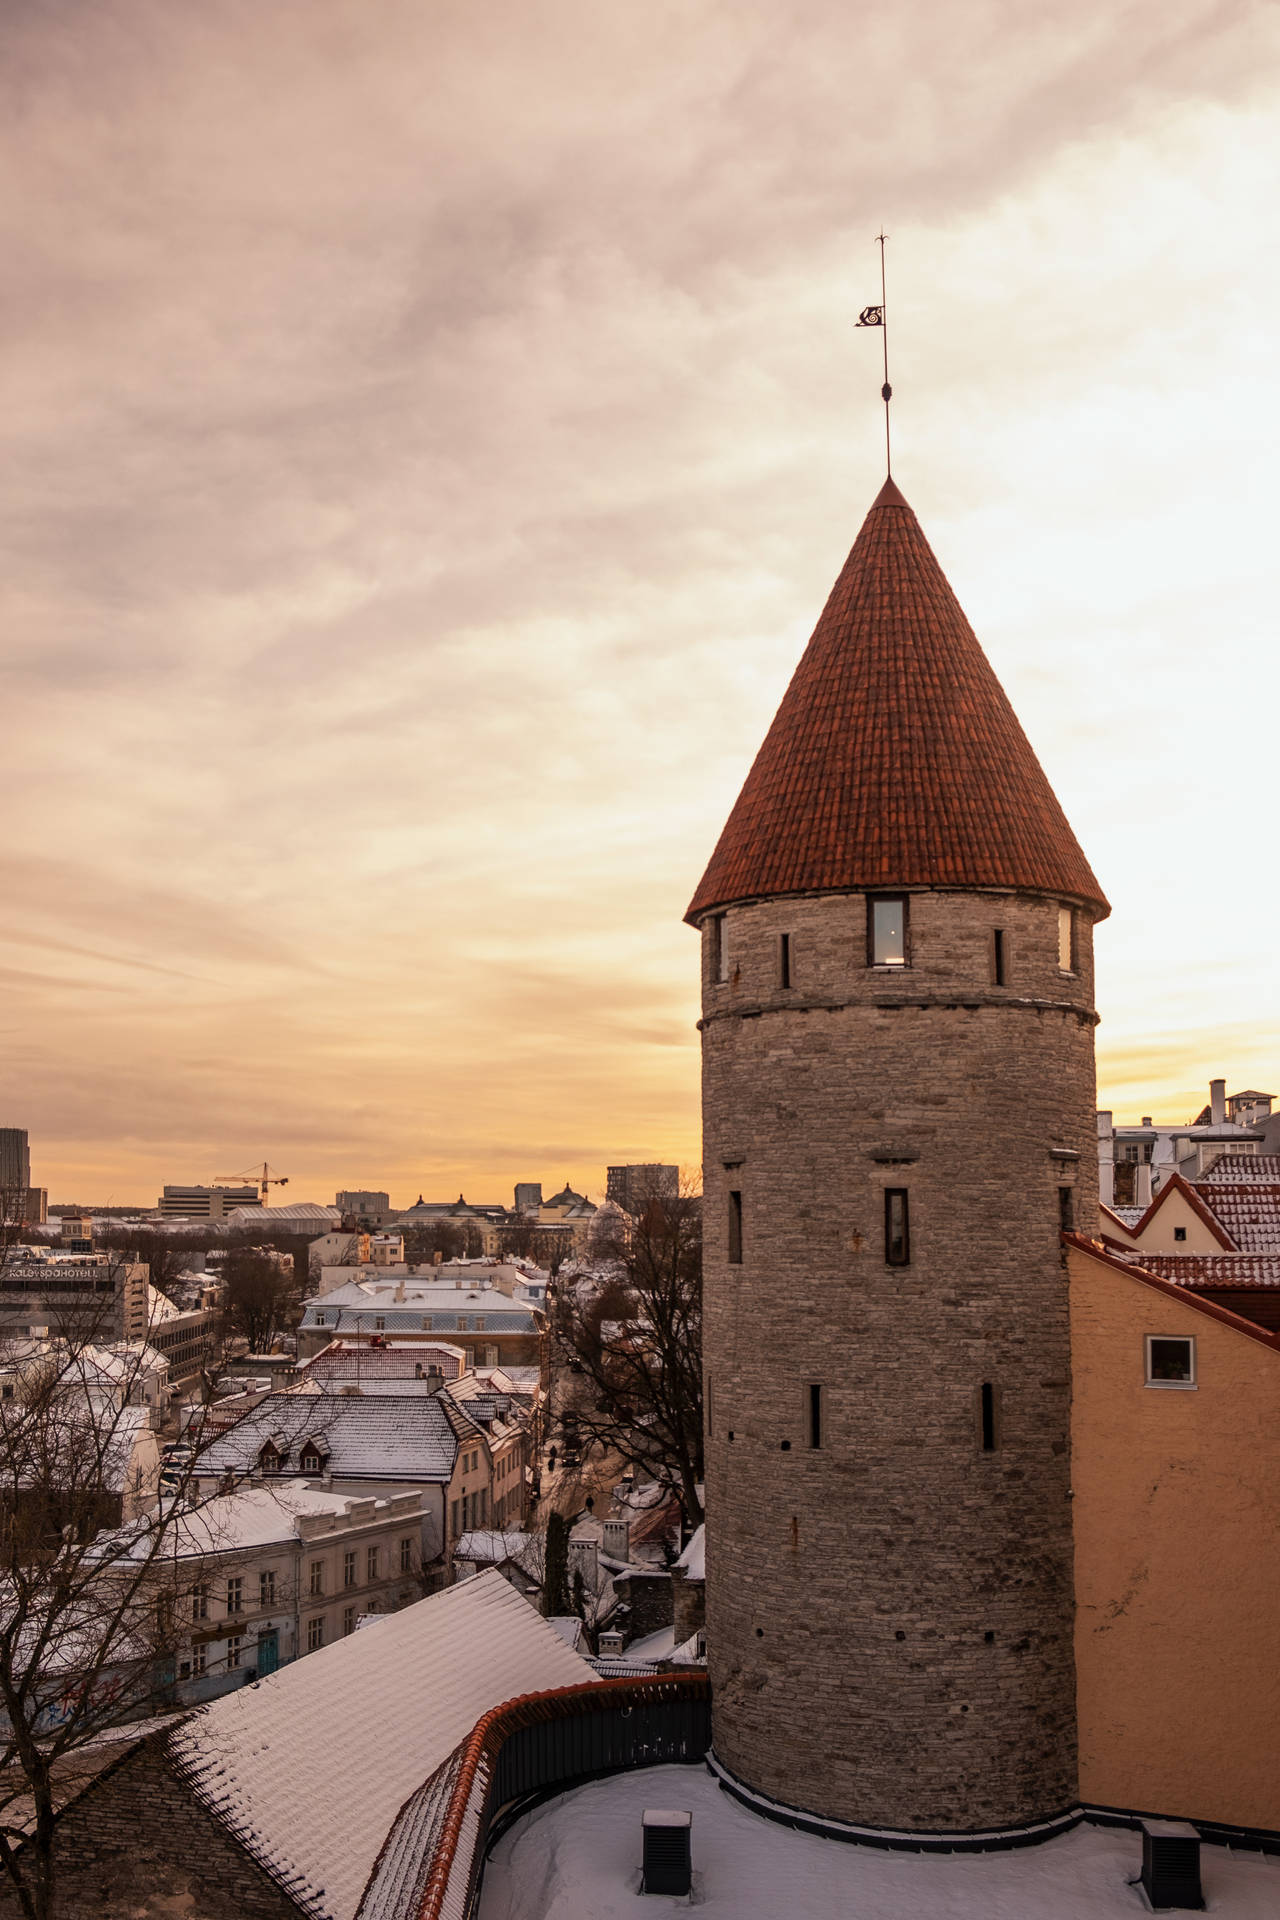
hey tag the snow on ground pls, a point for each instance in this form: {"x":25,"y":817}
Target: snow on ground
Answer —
{"x":579,"y":1855}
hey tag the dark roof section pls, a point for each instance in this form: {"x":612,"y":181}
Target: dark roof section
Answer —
{"x":408,"y":1437}
{"x":895,"y":759}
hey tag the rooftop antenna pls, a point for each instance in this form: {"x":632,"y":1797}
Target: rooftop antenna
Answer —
{"x":875,"y":317}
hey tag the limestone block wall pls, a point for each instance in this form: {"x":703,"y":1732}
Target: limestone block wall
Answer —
{"x":889,"y":1613}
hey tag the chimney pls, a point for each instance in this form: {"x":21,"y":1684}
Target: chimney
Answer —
{"x":1146,"y":1119}
{"x":1217,"y":1102}
{"x":399,"y":1292}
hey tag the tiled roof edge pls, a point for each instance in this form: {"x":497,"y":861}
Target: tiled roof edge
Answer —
{"x":1198,"y":1304}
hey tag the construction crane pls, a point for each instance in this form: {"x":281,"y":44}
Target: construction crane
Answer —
{"x":264,"y":1180}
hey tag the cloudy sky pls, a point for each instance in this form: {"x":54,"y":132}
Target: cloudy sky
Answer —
{"x":431,"y":431}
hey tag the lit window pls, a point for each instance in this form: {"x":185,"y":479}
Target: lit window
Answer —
{"x":887,"y":931}
{"x":897,"y":1231}
{"x":315,"y":1634}
{"x":1170,"y":1362}
{"x":1066,"y":940}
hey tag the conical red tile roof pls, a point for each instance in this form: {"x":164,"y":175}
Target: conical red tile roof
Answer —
{"x":895,"y":759}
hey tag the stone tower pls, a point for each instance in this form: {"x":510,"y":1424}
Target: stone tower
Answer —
{"x":898,"y":1115}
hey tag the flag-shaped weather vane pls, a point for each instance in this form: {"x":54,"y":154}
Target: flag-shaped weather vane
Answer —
{"x":875,"y":317}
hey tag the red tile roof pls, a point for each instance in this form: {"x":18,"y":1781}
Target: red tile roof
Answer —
{"x":1199,"y":1205}
{"x":1211,"y":1269}
{"x":895,"y":759}
{"x":1149,"y":1278}
{"x":1245,"y":1169}
{"x":1251,"y":1215}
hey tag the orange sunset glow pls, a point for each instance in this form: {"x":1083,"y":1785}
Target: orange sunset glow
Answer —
{"x":432,"y":434}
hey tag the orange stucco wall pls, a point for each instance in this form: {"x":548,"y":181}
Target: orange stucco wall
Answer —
{"x":1176,"y":1501}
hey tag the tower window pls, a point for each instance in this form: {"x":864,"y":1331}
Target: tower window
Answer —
{"x":998,"y":957}
{"x":1067,"y":1209}
{"x":988,"y":1417}
{"x":719,"y":949}
{"x":815,"y":1416}
{"x":897,"y":1228}
{"x":735,"y":1227}
{"x":887,"y":930}
{"x":784,"y":960}
{"x":1066,"y":940}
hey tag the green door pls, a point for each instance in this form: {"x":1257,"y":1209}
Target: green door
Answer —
{"x":268,"y":1653}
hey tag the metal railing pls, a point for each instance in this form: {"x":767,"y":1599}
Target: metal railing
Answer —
{"x":543,"y":1742}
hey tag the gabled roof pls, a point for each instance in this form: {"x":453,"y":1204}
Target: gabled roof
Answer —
{"x":1176,"y":1184}
{"x":311,"y":1768}
{"x":1189,"y":1298}
{"x":895,"y":759}
{"x":401,"y":1437}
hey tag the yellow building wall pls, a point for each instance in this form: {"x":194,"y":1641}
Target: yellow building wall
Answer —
{"x":1176,"y":1501}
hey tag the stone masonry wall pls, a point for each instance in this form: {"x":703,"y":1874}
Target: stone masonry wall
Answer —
{"x":138,"y":1843}
{"x":889,"y":1616}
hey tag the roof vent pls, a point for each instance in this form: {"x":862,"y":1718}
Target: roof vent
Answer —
{"x":668,"y":1851}
{"x":1170,"y":1864}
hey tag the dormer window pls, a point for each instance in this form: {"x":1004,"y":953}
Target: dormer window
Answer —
{"x":887,"y":930}
{"x":270,"y":1459}
{"x":313,"y":1459}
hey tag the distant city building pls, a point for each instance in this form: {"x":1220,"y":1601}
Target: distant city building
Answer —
{"x":1135,"y":1162}
{"x":21,"y":1204}
{"x":365,"y":1204}
{"x":528,"y":1196}
{"x":629,"y":1187}
{"x":205,"y":1203}
{"x":75,"y":1232}
{"x":15,"y":1159}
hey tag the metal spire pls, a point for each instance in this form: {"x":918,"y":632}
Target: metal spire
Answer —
{"x":877,"y":317}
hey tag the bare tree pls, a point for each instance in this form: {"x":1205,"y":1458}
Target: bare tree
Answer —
{"x":91,"y":1620}
{"x":631,"y":1329}
{"x":261,"y":1297}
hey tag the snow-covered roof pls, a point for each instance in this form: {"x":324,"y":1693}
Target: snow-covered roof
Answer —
{"x":311,"y":1767}
{"x":404,"y":1436}
{"x":694,"y":1557}
{"x":257,"y":1516}
{"x":492,"y":1549}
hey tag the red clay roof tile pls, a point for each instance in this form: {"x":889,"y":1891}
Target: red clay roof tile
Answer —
{"x":895,"y":759}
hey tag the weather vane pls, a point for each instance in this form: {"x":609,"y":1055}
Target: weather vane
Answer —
{"x":875,"y":317}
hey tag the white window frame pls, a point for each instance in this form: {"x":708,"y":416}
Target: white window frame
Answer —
{"x":1177,"y":1386}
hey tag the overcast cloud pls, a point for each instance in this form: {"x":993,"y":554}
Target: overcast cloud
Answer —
{"x":431,"y":434}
